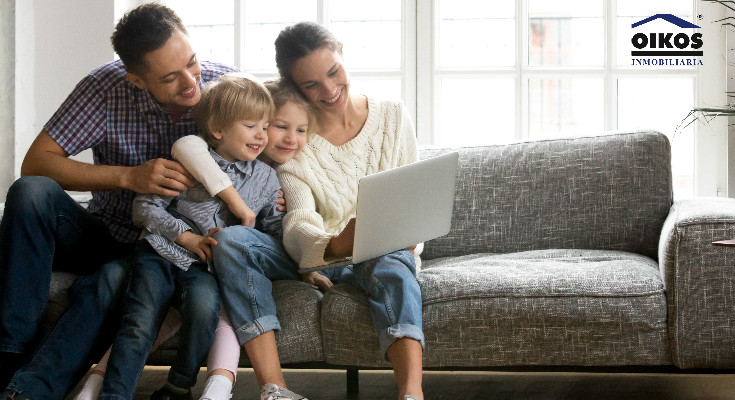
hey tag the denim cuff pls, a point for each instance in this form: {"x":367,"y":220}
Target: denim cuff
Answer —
{"x":180,"y":380}
{"x":390,"y":335}
{"x":257,"y":328}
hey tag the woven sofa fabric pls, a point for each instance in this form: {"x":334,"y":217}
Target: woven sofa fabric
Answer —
{"x":298,"y":310}
{"x":555,"y":307}
{"x":700,"y":282}
{"x":609,"y":192}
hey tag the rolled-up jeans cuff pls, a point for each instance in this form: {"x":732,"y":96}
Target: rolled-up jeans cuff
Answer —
{"x":257,"y":328}
{"x":395,"y":332}
{"x":180,"y":380}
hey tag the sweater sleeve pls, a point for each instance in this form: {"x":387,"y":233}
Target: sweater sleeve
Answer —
{"x":304,"y":236}
{"x":409,"y":145}
{"x":193,"y":153}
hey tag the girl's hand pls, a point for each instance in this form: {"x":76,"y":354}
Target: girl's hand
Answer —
{"x":237,"y":206}
{"x":341,"y":245}
{"x":316,"y":279}
{"x":281,"y":201}
{"x":197,"y":244}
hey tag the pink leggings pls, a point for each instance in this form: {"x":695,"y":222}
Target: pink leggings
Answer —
{"x":225,"y":351}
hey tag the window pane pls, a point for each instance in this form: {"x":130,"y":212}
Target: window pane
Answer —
{"x":565,"y":107}
{"x":264,"y":20}
{"x":569,"y":32}
{"x":371,"y":32}
{"x":475,"y":34}
{"x":661,"y":104}
{"x":468,"y":116}
{"x":381,"y":88}
{"x":211,"y":28}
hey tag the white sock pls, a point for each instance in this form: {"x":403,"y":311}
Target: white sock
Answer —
{"x":91,"y":389}
{"x":218,"y":388}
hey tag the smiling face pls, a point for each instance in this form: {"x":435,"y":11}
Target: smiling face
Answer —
{"x":287,"y":133}
{"x":322,"y":79}
{"x":173,"y":75}
{"x":242,"y":141}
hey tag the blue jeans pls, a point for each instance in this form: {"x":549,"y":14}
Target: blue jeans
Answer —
{"x":156,"y":284}
{"x":43,"y":229}
{"x":246,"y":261}
{"x":80,"y":336}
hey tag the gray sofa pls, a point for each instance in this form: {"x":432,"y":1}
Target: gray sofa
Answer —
{"x":565,"y":253}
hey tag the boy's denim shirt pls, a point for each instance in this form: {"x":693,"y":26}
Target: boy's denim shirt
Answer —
{"x":165,"y":218}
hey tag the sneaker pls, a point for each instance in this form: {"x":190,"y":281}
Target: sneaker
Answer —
{"x":270,"y":391}
{"x":409,"y":397}
{"x":165,"y":393}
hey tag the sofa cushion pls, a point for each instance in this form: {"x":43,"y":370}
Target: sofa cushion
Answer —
{"x":553,"y":307}
{"x":298,"y":306}
{"x":610,"y":192}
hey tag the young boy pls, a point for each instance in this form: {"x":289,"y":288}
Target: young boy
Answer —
{"x":172,"y":257}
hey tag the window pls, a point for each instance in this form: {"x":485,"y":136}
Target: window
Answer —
{"x":480,"y":72}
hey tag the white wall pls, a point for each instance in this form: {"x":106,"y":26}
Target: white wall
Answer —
{"x":7,"y":95}
{"x":57,"y":42}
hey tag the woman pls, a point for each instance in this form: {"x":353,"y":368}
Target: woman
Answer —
{"x":356,"y":136}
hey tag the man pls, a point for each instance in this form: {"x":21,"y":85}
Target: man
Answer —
{"x":129,"y":113}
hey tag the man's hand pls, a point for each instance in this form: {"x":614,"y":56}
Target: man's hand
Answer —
{"x":341,"y":245}
{"x":316,"y":279}
{"x":197,"y":244}
{"x":158,"y":176}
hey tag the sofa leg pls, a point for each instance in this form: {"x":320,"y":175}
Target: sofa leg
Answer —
{"x":353,"y":381}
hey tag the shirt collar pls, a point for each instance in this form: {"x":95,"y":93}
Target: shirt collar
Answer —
{"x":246,"y":167}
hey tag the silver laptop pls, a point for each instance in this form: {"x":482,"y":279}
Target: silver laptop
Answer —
{"x":401,"y":207}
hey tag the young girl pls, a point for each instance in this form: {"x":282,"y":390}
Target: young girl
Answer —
{"x":293,"y":120}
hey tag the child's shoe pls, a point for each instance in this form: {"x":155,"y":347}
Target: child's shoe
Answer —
{"x":270,"y":391}
{"x":165,"y":393}
{"x":218,"y":387}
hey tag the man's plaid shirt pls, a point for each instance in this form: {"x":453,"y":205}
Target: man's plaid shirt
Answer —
{"x":124,"y":126}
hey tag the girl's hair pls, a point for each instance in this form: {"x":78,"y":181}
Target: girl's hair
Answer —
{"x":143,"y":30}
{"x":231,"y":98}
{"x":283,"y":92}
{"x":297,"y":41}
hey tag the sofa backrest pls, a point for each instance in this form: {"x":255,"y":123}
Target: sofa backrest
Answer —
{"x":610,"y":192}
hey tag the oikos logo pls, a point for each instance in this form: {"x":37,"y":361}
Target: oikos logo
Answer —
{"x":655,"y":47}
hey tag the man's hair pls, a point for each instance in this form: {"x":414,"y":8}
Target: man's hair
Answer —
{"x":142,"y":30}
{"x":283,"y":92}
{"x":233,"y":97}
{"x":297,"y":41}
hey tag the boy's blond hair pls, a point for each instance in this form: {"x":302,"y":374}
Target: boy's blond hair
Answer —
{"x":233,"y":97}
{"x":282,"y":92}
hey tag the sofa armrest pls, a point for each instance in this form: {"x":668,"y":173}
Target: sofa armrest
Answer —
{"x":700,"y":282}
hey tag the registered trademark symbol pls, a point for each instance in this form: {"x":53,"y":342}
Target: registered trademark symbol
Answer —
{"x":700,"y":16}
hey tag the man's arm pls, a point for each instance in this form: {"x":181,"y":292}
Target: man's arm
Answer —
{"x":46,"y":158}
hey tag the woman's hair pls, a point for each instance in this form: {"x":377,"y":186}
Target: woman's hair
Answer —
{"x":231,"y":98}
{"x":282,"y":92}
{"x":142,"y":30}
{"x":297,"y":41}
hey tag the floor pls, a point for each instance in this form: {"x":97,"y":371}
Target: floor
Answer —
{"x":330,"y":385}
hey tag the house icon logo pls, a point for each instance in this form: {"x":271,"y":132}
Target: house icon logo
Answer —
{"x":676,"y":42}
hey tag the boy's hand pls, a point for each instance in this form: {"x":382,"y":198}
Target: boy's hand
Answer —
{"x":237,"y":206}
{"x":316,"y":279}
{"x":281,"y":201}
{"x":197,"y":244}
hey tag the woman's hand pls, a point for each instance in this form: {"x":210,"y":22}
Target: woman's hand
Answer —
{"x":341,"y":245}
{"x":197,"y":244}
{"x":316,"y":279}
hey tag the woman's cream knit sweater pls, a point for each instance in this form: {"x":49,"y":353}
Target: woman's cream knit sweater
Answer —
{"x":320,"y":184}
